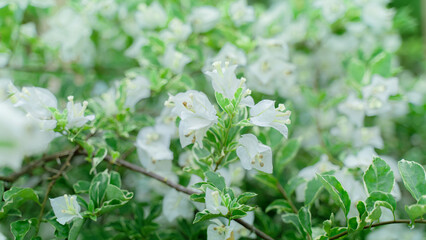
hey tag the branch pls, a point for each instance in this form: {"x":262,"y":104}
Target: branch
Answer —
{"x":53,"y":181}
{"x":407,"y":221}
{"x":179,"y":188}
{"x":30,"y":166}
{"x":284,"y":193}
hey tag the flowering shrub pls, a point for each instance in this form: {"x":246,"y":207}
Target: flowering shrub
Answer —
{"x":211,"y":120}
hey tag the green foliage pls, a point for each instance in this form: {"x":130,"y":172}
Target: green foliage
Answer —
{"x":414,"y":177}
{"x":379,"y":177}
{"x":339,"y":195}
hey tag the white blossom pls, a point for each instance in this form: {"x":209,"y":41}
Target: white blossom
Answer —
{"x":224,"y":80}
{"x":218,"y":231}
{"x":197,"y":115}
{"x":204,"y":18}
{"x":134,"y":51}
{"x":241,"y":13}
{"x":75,"y":114}
{"x":377,"y":93}
{"x":254,"y":154}
{"x":152,"y":16}
{"x":153,"y":148}
{"x":177,"y":204}
{"x":65,"y":208}
{"x":174,"y":60}
{"x":368,"y":136}
{"x":137,"y":89}
{"x":331,"y":9}
{"x":214,"y":202}
{"x":377,"y":16}
{"x":177,"y":31}
{"x":265,"y":114}
{"x":35,"y":101}
{"x":354,"y":109}
{"x":362,"y":159}
{"x":240,"y":231}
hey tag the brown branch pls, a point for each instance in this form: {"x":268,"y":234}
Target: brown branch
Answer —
{"x":179,"y":188}
{"x":284,"y":193}
{"x":53,"y":181}
{"x":407,"y":221}
{"x":30,"y":166}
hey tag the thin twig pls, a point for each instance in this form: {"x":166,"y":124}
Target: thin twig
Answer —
{"x":32,"y":165}
{"x":284,"y":193}
{"x":53,"y":181}
{"x":179,"y":188}
{"x":407,"y":221}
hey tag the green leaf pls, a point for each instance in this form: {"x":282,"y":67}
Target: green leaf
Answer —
{"x":293,"y":183}
{"x":267,"y":179}
{"x":414,"y":178}
{"x":20,"y":229}
{"x":379,"y":177}
{"x":294,"y":219}
{"x":15,"y":197}
{"x":381,"y":64}
{"x":217,"y":180}
{"x":305,"y":220}
{"x":98,"y":187}
{"x":356,"y":70}
{"x":99,"y":156}
{"x":313,"y":188}
{"x":115,"y":179}
{"x":280,"y":205}
{"x":245,"y":196}
{"x":237,"y":213}
{"x":204,"y":215}
{"x":287,"y":154}
{"x":339,"y":195}
{"x":415,"y":211}
{"x":81,"y":186}
{"x":114,"y":198}
{"x":75,"y":229}
{"x":386,"y":199}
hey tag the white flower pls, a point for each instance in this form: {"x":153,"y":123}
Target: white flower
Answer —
{"x":177,"y":204}
{"x":176,"y":32}
{"x":377,"y":16}
{"x":65,"y":208}
{"x":174,"y":60}
{"x":75,"y":113}
{"x":218,"y":231}
{"x":136,"y":90}
{"x":331,"y":9}
{"x":362,"y":159}
{"x":240,"y":13}
{"x":134,"y":51}
{"x":224,"y":80}
{"x":254,"y":154}
{"x":36,"y":101}
{"x":376,"y":94}
{"x":240,"y":231}
{"x":153,"y":148}
{"x":108,"y":102}
{"x":368,"y":136}
{"x":151,"y":17}
{"x":197,"y":116}
{"x":353,"y":108}
{"x":204,"y":18}
{"x":167,"y":121}
{"x":213,"y":202}
{"x":265,"y":114}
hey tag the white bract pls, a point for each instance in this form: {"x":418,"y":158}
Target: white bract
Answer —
{"x":75,"y":114}
{"x":174,"y":60}
{"x":152,"y":16}
{"x":241,"y":13}
{"x":204,"y":18}
{"x":376,"y":94}
{"x":218,"y":231}
{"x":214,"y":202}
{"x":197,"y":115}
{"x":177,"y":204}
{"x":354,"y":109}
{"x":137,"y":89}
{"x":177,"y":31}
{"x":254,"y":154}
{"x":331,"y":9}
{"x":153,"y":148}
{"x":35,"y":101}
{"x":265,"y":114}
{"x":66,"y":208}
{"x":224,"y":80}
